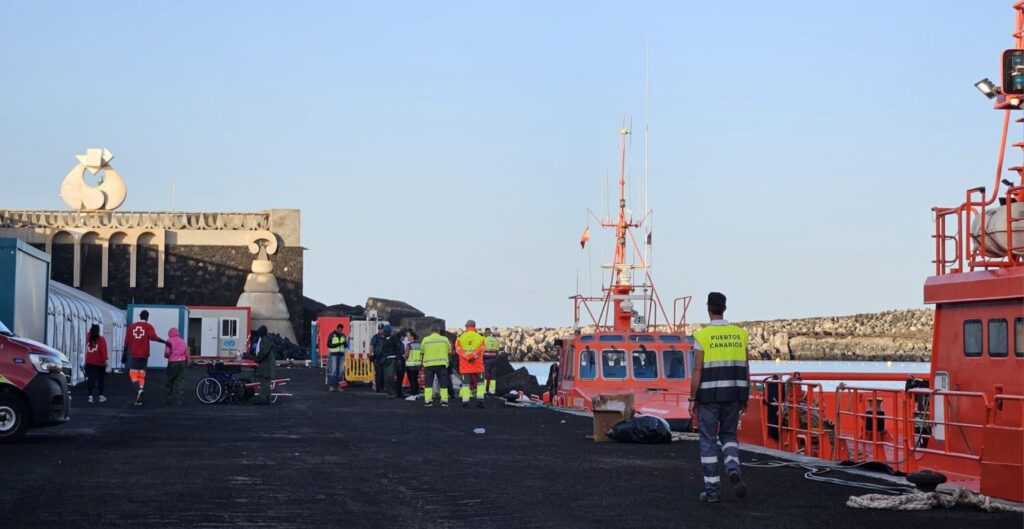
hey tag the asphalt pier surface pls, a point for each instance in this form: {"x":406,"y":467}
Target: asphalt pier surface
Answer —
{"x":357,"y":459}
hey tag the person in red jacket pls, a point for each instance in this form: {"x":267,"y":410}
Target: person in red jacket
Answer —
{"x":95,"y":362}
{"x":136,"y":342}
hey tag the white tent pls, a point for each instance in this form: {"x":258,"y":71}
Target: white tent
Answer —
{"x":71,"y":313}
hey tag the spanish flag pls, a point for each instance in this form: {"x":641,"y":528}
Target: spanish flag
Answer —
{"x":584,"y":238}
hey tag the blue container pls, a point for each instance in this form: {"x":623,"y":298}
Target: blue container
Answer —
{"x":24,"y":288}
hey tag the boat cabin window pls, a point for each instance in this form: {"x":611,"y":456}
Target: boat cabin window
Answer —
{"x":644,"y":338}
{"x":611,"y":338}
{"x":1018,"y":337}
{"x":567,"y":374}
{"x":675,"y":367}
{"x":613,"y":364}
{"x":588,"y":364}
{"x":587,"y":338}
{"x":668,"y":338}
{"x":972,"y":338}
{"x":645,"y":364}
{"x":998,"y":345}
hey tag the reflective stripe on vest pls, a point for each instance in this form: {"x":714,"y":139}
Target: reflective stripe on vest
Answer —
{"x":436,"y":349}
{"x":724,"y":374}
{"x":470,"y":342}
{"x":336,"y":343}
{"x":415,"y":355}
{"x":491,"y":344}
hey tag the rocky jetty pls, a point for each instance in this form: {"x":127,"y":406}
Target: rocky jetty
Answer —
{"x":899,"y":335}
{"x":400,"y":314}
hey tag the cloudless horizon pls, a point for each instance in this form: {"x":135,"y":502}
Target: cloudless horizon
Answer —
{"x":446,"y":153}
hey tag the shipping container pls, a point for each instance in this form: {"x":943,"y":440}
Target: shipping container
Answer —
{"x":24,"y":287}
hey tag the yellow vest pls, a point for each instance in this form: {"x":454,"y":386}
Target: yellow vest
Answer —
{"x":491,"y":344}
{"x":336,"y":343}
{"x":470,"y":341}
{"x":724,"y":373}
{"x":436,"y":350}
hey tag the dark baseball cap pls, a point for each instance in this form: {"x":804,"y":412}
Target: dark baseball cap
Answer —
{"x":380,"y":326}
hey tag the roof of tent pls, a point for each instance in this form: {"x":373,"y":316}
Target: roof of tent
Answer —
{"x":86,"y":304}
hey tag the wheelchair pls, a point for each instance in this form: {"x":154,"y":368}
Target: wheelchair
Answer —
{"x":222,"y":384}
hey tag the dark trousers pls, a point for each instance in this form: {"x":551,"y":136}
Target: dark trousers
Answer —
{"x":717,"y":422}
{"x":264,"y":394}
{"x":175,"y":385}
{"x":94,"y":376}
{"x":444,"y":379}
{"x":391,"y":377}
{"x":378,"y":375}
{"x":414,"y":379}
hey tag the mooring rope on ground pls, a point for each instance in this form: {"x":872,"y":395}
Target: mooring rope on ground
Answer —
{"x":923,"y":501}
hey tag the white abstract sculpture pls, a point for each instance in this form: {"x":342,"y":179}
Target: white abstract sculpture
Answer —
{"x":262,"y":293}
{"x":77,"y":194}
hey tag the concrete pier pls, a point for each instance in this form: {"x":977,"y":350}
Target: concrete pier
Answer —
{"x":356,"y":459}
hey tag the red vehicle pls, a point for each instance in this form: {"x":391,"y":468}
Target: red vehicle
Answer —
{"x":633,"y":348}
{"x":33,"y":385}
{"x":966,"y":418}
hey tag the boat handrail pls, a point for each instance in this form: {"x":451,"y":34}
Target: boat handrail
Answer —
{"x":833,"y":375}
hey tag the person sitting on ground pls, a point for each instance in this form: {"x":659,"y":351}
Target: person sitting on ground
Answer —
{"x":95,"y":362}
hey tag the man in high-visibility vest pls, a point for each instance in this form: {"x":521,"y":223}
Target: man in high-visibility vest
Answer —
{"x":719,"y":389}
{"x":491,"y":347}
{"x":470,"y":346}
{"x":435,"y":349}
{"x":336,"y":342}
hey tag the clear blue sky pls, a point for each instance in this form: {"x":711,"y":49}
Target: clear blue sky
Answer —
{"x":445,"y":153}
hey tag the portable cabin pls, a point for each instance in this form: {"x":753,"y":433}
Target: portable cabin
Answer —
{"x":24,"y":285}
{"x":162,"y":318}
{"x":218,"y":332}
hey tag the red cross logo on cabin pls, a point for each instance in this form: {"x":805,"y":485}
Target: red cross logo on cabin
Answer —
{"x":138,"y":332}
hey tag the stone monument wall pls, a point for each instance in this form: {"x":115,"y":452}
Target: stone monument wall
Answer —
{"x":167,"y":258}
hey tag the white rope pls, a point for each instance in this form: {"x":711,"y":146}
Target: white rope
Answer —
{"x":904,"y":499}
{"x":923,"y":501}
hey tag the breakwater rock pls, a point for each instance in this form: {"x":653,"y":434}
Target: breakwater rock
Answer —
{"x":898,"y":335}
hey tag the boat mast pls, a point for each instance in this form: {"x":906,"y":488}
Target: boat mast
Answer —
{"x":622,"y":284}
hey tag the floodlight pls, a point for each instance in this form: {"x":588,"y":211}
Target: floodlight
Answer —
{"x":987,"y":88}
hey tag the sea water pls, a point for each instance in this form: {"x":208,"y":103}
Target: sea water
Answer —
{"x":767,"y":367}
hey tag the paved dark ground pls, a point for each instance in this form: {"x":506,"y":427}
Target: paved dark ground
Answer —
{"x":358,"y":460}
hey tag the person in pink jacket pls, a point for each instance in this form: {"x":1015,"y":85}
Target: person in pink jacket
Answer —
{"x":176,"y":353}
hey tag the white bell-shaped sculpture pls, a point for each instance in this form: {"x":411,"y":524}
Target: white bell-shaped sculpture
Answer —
{"x":79,"y":195}
{"x":263,"y":296}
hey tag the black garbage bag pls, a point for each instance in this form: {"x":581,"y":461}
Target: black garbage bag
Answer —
{"x":645,"y":429}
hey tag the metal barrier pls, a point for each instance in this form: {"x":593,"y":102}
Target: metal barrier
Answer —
{"x":866,"y":432}
{"x":358,"y":369}
{"x":946,"y":405}
{"x":800,"y":424}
